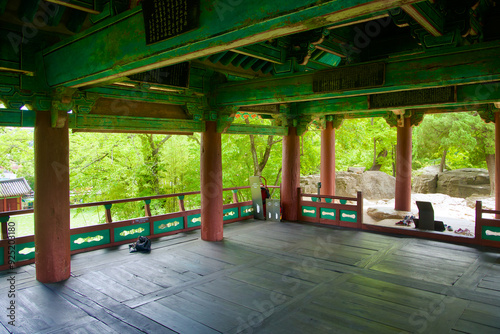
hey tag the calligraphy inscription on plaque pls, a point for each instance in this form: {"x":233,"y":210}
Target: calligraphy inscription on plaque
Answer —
{"x":176,"y":75}
{"x":412,"y":98}
{"x":164,"y":19}
{"x":349,"y":78}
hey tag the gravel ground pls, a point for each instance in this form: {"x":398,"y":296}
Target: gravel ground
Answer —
{"x":455,"y":212}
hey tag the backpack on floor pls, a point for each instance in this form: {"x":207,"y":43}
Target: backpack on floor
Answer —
{"x":143,"y":244}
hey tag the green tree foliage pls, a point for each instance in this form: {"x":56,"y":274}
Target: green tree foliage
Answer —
{"x":459,"y":140}
{"x":17,"y":150}
{"x":365,"y":142}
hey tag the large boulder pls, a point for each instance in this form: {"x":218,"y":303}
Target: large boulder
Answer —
{"x":464,"y":182}
{"x":373,"y":184}
{"x":425,"y":180}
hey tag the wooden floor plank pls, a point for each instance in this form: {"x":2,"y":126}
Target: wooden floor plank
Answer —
{"x":172,"y":319}
{"x":241,"y":293}
{"x":131,"y":279}
{"x":269,"y":277}
{"x":212,"y":315}
{"x":392,"y":293}
{"x":281,"y":283}
{"x":464,"y":326}
{"x":347,"y":321}
{"x":109,"y":287}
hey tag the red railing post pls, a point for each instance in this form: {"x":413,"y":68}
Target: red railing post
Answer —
{"x":181,"y":203}
{"x":5,"y":233}
{"x":235,"y":195}
{"x":108,"y":213}
{"x":299,"y":203}
{"x":147,"y":208}
{"x":479,"y":223}
{"x":360,"y":208}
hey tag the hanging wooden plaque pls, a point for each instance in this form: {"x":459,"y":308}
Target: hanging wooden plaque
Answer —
{"x":176,"y":75}
{"x":164,"y":19}
{"x":349,"y":78}
{"x":408,"y":98}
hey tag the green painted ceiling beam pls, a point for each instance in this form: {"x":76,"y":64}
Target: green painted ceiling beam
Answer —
{"x":142,"y":95}
{"x":127,"y":123}
{"x":464,"y":66}
{"x":473,"y":94}
{"x":17,"y":118}
{"x":243,"y":129}
{"x":263,"y":51}
{"x":116,"y":47}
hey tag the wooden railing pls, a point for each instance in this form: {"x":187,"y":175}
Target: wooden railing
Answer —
{"x":331,"y":210}
{"x":487,"y":231}
{"x":121,"y":232}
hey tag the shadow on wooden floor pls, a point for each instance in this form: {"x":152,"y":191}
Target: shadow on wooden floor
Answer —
{"x":266,"y":278}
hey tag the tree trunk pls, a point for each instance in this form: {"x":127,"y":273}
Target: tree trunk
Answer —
{"x":376,"y":166}
{"x":443,"y":161}
{"x":490,"y":162}
{"x":258,"y":166}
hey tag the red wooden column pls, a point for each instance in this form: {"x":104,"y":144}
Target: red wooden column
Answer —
{"x":403,"y":167}
{"x":211,"y":184}
{"x":327,"y":174}
{"x":497,"y":162}
{"x":291,"y":174}
{"x":52,"y":217}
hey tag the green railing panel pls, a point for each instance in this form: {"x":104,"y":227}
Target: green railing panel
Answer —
{"x":348,"y":216}
{"x":309,"y":211}
{"x":25,"y":251}
{"x":328,"y":200}
{"x":230,"y":214}
{"x":131,"y":232}
{"x":90,"y":239}
{"x":326,"y":213}
{"x":2,"y":256}
{"x":168,"y":225}
{"x":246,"y":211}
{"x":343,"y":201}
{"x":491,"y":233}
{"x":194,"y":220}
{"x":314,"y":199}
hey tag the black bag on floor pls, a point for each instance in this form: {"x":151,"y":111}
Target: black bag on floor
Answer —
{"x":143,"y":244}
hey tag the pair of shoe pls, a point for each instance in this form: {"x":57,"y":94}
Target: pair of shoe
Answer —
{"x":465,"y":232}
{"x":448,"y":227}
{"x":406,"y":221}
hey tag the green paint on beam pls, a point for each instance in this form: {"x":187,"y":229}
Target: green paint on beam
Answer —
{"x":241,"y":129}
{"x":464,"y":66}
{"x":17,"y":118}
{"x":126,"y":123}
{"x":143,"y":96}
{"x":123,"y":37}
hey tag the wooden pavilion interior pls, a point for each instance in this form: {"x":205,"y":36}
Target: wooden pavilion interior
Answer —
{"x":185,"y":66}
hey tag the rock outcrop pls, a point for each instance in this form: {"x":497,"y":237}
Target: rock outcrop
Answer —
{"x":373,"y":184}
{"x":462,"y":183}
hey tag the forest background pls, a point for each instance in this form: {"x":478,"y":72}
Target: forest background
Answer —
{"x":105,"y":166}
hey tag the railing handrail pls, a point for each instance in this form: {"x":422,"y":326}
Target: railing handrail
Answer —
{"x":329,"y":196}
{"x":124,"y":200}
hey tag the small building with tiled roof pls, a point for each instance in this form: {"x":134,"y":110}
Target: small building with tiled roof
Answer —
{"x":12,"y":192}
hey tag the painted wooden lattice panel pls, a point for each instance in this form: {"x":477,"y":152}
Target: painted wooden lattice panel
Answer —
{"x":131,"y":232}
{"x":194,"y":220}
{"x":89,"y":239}
{"x":168,"y":225}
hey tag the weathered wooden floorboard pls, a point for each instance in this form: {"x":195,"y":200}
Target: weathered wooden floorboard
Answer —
{"x":173,"y":319}
{"x":268,"y":278}
{"x":217,"y":313}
